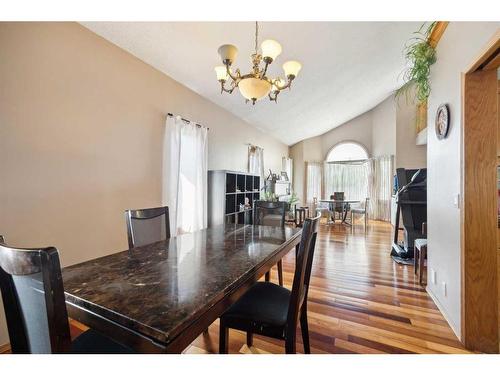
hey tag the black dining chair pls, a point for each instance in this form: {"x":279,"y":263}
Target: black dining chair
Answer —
{"x":35,"y":306}
{"x":270,"y":310}
{"x":337,"y":207}
{"x":272,"y":214}
{"x":147,"y":225}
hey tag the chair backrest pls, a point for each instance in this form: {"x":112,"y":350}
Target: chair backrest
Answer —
{"x":33,"y":299}
{"x":303,"y":268}
{"x":337,"y":195}
{"x":269,"y":213}
{"x":366,"y":204}
{"x":147,"y":225}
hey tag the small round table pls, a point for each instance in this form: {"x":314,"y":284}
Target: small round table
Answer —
{"x":344,"y":203}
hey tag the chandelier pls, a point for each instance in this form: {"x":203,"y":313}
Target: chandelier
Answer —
{"x":255,"y":85}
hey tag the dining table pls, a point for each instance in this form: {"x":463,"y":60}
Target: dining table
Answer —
{"x":344,"y":203}
{"x":158,"y":298}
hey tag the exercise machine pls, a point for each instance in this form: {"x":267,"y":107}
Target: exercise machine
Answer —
{"x":411,"y":199}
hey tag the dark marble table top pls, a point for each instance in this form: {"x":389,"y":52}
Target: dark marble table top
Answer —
{"x":158,"y":289}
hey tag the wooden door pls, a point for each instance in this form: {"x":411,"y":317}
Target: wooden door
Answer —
{"x":479,"y":246}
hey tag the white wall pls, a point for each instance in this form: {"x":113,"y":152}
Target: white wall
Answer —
{"x":460,"y":44}
{"x":81,"y":132}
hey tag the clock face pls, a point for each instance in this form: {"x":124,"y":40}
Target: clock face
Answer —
{"x":442,"y":121}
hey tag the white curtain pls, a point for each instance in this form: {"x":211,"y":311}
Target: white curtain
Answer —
{"x":287,"y":166}
{"x":256,"y":162}
{"x":184,"y":188}
{"x":314,"y":175}
{"x":351,"y":178}
{"x":380,"y":187}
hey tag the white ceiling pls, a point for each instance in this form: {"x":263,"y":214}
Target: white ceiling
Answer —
{"x":347,"y":67}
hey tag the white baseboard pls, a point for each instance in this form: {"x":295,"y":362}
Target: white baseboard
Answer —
{"x":455,"y":329}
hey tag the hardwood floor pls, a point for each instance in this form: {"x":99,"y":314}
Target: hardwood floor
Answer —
{"x":360,"y":301}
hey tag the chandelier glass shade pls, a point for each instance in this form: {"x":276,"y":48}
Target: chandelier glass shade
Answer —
{"x":255,"y":85}
{"x":254,"y":88}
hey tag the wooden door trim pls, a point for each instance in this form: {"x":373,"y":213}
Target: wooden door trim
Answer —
{"x":479,"y":297}
{"x":486,"y":55}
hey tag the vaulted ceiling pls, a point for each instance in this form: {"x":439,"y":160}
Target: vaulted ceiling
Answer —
{"x":347,"y":67}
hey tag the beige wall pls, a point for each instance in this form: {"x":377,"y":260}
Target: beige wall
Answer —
{"x":359,"y":129}
{"x":387,"y":129}
{"x":81,"y":127}
{"x":408,"y":153}
{"x":460,"y":44}
{"x":317,"y":148}
{"x":384,"y":128}
{"x":394,"y":133}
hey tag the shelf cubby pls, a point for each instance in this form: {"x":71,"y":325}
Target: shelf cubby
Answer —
{"x":226,"y":191}
{"x":240,"y":183}
{"x":230,"y":183}
{"x":249,"y":183}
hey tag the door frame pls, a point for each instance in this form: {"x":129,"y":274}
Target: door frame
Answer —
{"x":479,"y":273}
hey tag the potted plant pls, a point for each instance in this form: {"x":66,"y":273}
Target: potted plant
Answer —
{"x":420,"y":55}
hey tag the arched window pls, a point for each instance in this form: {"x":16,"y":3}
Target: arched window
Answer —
{"x":346,"y":151}
{"x":346,"y":170}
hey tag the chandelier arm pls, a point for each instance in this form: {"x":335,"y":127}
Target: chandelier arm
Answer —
{"x":287,"y":85}
{"x":264,"y":71}
{"x":236,"y":77}
{"x":224,"y":89}
{"x":275,"y":97}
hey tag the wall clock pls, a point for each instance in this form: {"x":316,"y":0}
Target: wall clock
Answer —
{"x":442,"y":121}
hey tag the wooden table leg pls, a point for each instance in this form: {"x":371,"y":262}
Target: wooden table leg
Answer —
{"x":423,"y":253}
{"x":415,"y":259}
{"x":280,"y":272}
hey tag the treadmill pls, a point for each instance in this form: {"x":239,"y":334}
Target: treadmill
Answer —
{"x":411,"y":200}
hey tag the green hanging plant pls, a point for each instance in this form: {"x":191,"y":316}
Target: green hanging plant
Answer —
{"x":420,"y":55}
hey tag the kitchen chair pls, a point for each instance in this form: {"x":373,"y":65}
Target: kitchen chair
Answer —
{"x":361,"y":210}
{"x":35,"y":306}
{"x":271,"y":310}
{"x":338,"y":207}
{"x":323,"y":209}
{"x":147,"y":225}
{"x":272,"y":214}
{"x":420,"y":254}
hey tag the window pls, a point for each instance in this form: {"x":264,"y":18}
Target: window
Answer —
{"x":346,"y":151}
{"x":346,"y":170}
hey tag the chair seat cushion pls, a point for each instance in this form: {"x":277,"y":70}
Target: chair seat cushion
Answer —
{"x":92,"y":342}
{"x":264,"y":303}
{"x":419,"y":242}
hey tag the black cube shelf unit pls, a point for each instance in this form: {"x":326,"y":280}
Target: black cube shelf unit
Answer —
{"x":226,"y":191}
